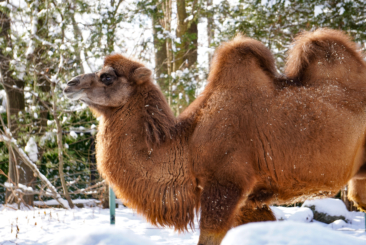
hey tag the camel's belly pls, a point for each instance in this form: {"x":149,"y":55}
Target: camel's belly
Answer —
{"x":292,"y":192}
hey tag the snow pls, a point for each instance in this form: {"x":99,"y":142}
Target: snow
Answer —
{"x":189,"y":18}
{"x":48,"y":136}
{"x":24,"y":187}
{"x":3,"y":99}
{"x":333,"y":207}
{"x":73,"y":134}
{"x":318,"y":10}
{"x":8,"y":185}
{"x":338,"y":224}
{"x":31,"y":149}
{"x":63,"y":47}
{"x":302,"y":214}
{"x":354,"y":227}
{"x":85,"y":202}
{"x":341,"y":11}
{"x":33,"y":29}
{"x":286,"y":233}
{"x":5,"y":4}
{"x":21,"y":187}
{"x":107,"y":235}
{"x":84,"y":226}
{"x":90,"y":225}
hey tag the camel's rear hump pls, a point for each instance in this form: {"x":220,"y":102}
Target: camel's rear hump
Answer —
{"x":326,"y":55}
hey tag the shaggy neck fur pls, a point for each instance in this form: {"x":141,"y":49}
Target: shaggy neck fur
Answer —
{"x":142,"y":152}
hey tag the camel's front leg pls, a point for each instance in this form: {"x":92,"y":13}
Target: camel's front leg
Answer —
{"x":219,"y":202}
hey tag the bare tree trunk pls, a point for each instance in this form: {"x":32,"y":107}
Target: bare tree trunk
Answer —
{"x":38,"y":57}
{"x":167,"y":10}
{"x":18,"y":171}
{"x":187,"y":31}
{"x":186,"y":54}
{"x":111,"y":24}
{"x":161,"y":59}
{"x":79,"y":36}
{"x":210,"y":31}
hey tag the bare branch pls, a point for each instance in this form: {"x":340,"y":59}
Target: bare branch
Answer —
{"x":89,"y":188}
{"x":53,"y":192}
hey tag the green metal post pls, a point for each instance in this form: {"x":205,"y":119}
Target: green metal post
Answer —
{"x":112,"y":206}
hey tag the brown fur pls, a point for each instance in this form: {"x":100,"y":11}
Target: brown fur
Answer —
{"x":357,"y":189}
{"x":322,"y":49}
{"x":122,"y":66}
{"x":357,"y":193}
{"x":154,"y":178}
{"x":248,"y":215}
{"x":244,"y":143}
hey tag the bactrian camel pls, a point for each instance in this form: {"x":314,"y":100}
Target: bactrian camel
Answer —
{"x":252,"y":138}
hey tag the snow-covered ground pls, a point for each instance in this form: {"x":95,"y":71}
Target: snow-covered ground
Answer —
{"x":90,"y":226}
{"x":287,"y":233}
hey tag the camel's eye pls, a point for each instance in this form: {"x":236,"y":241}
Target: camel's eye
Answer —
{"x":107,"y":79}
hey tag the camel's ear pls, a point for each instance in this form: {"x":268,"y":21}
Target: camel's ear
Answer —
{"x":141,"y":75}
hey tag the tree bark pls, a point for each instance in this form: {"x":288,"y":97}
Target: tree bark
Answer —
{"x":38,"y":57}
{"x":187,"y":31}
{"x":161,"y":59}
{"x":186,"y":50}
{"x":78,"y":36}
{"x":210,"y":31}
{"x":167,"y":11}
{"x":18,"y":171}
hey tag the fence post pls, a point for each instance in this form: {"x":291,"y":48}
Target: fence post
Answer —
{"x":112,"y":206}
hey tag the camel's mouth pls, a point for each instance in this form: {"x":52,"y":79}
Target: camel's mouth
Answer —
{"x":73,"y":95}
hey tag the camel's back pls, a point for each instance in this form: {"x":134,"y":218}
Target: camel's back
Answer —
{"x":298,"y":139}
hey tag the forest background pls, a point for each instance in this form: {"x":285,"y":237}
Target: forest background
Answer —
{"x":47,"y":142}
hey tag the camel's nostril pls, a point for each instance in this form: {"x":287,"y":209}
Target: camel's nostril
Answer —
{"x":73,"y":82}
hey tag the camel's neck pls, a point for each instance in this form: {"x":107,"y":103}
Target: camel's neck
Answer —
{"x":141,"y":152}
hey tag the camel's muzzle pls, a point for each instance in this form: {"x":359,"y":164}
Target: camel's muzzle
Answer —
{"x":73,"y":95}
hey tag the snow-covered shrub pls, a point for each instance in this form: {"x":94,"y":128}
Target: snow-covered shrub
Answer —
{"x":327,"y":210}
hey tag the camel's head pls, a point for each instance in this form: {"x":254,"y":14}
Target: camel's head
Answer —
{"x":112,"y":86}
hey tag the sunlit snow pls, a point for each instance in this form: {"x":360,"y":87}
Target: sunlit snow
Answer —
{"x":32,"y":149}
{"x":90,"y":226}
